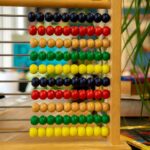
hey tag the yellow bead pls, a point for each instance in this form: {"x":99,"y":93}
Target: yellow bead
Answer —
{"x":104,"y":131}
{"x":106,"y":43}
{"x":97,"y":69}
{"x":66,"y":69}
{"x":33,"y":132}
{"x":98,"y":43}
{"x":59,"y":43}
{"x":91,"y":43}
{"x":49,"y":132}
{"x":33,"y":69}
{"x":34,"y":42}
{"x":89,"y":131}
{"x":42,"y":69}
{"x":41,"y":132}
{"x":65,"y":131}
{"x":73,"y":131}
{"x":50,"y":69}
{"x":83,"y":43}
{"x":82,"y":69}
{"x":57,"y":131}
{"x":106,"y":69}
{"x":42,"y":43}
{"x":81,"y":131}
{"x":75,"y":43}
{"x":97,"y":131}
{"x":58,"y":69}
{"x":90,"y":69}
{"x":74,"y":69}
{"x":51,"y":42}
{"x":67,"y":43}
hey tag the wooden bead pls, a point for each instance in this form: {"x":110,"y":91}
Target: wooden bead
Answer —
{"x":75,"y":43}
{"x":90,"y":43}
{"x":34,"y":42}
{"x":98,"y":106}
{"x":67,"y":107}
{"x":106,"y":107}
{"x":42,"y":43}
{"x":51,"y":107}
{"x":59,"y":107}
{"x":43,"y":107}
{"x":106,"y":43}
{"x":83,"y":43}
{"x":59,"y":43}
{"x":83,"y":107}
{"x":75,"y":107}
{"x":35,"y":107}
{"x":90,"y":106}
{"x":51,"y":42}
{"x":67,"y":43}
{"x":98,"y":43}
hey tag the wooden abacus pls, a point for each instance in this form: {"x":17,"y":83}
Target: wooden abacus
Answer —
{"x":80,"y":136}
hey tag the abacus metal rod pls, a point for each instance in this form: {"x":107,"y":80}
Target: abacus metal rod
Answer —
{"x":12,"y":15}
{"x":16,"y":29}
{"x":20,"y":81}
{"x":22,"y":68}
{"x":14,"y":119}
{"x":14,"y":55}
{"x":14,"y":42}
{"x":15,"y":131}
{"x":15,"y":106}
{"x":15,"y":93}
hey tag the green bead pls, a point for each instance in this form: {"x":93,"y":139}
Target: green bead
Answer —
{"x":59,"y":119}
{"x":74,"y":119}
{"x":90,"y":118}
{"x":33,"y":56}
{"x":67,"y":119}
{"x":82,"y":55}
{"x":74,"y":56}
{"x":106,"y":56}
{"x":97,"y":118}
{"x":43,"y":120}
{"x":82,"y":119}
{"x":34,"y":120}
{"x":42,"y":55}
{"x":90,"y":55}
{"x":50,"y":119}
{"x":50,"y":55}
{"x":105,"y":118}
{"x":98,"y":56}
{"x":59,"y":55}
{"x":67,"y":56}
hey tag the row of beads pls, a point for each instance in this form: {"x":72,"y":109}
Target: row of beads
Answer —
{"x":74,"y":56}
{"x":73,"y":94}
{"x":74,"y":30}
{"x":75,"y":81}
{"x":70,"y":69}
{"x":69,"y":131}
{"x":66,"y":119}
{"x":65,"y":17}
{"x":74,"y":43}
{"x":67,"y":107}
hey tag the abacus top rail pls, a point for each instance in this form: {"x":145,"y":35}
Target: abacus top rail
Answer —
{"x":58,"y":3}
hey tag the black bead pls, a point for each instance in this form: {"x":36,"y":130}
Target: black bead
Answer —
{"x":31,"y":16}
{"x":43,"y":82}
{"x":67,"y":81}
{"x":90,"y":17}
{"x":106,"y":81}
{"x":98,"y":81}
{"x":97,"y":17}
{"x":51,"y":81}
{"x":82,"y":17}
{"x":40,"y":17}
{"x":75,"y":81}
{"x":73,"y":17}
{"x":105,"y":17}
{"x":90,"y":82}
{"x":83,"y":82}
{"x":57,"y":17}
{"x":59,"y":81}
{"x":65,"y":17}
{"x":48,"y":17}
{"x":35,"y":82}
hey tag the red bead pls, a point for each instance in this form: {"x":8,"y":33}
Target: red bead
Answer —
{"x":67,"y":94}
{"x":90,"y":94}
{"x":74,"y":31}
{"x":66,"y":30}
{"x":35,"y":95}
{"x":43,"y":94}
{"x":82,"y":31}
{"x":98,"y":31}
{"x":41,"y":30}
{"x":32,"y":30}
{"x":97,"y":94}
{"x":51,"y":94}
{"x":75,"y":94}
{"x":58,"y":30}
{"x":50,"y":30}
{"x":59,"y":94}
{"x":90,"y":30}
{"x":82,"y":94}
{"x":106,"y":94}
{"x":106,"y":31}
